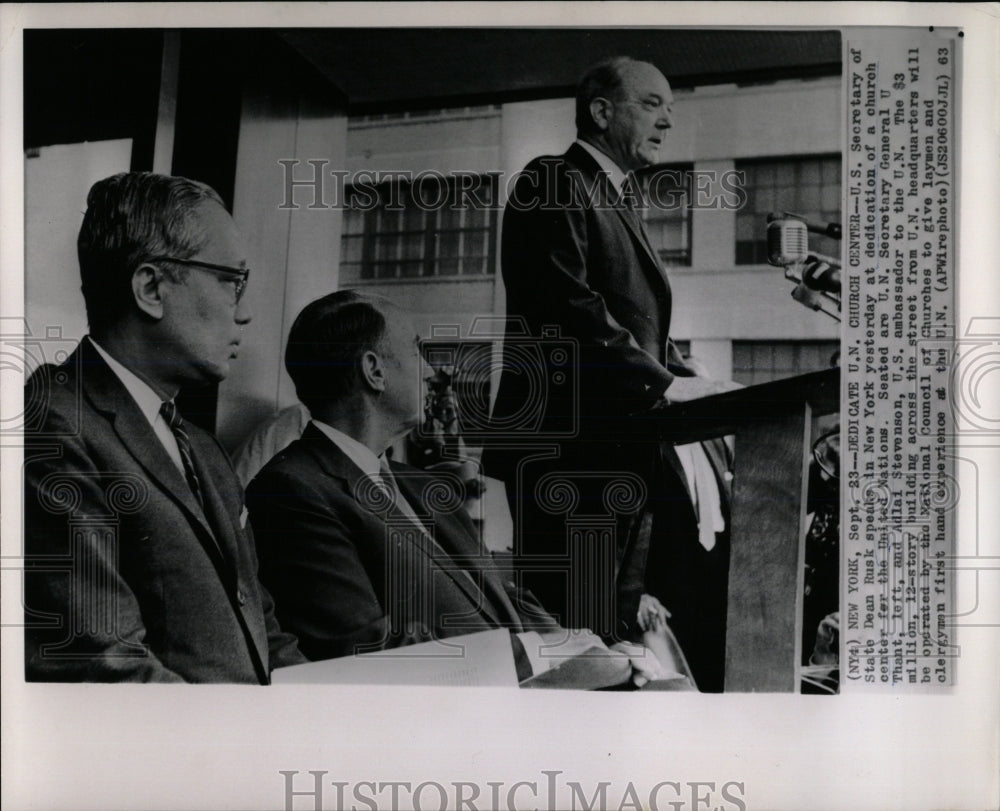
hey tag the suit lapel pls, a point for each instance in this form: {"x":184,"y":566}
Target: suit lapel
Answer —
{"x":634,"y":224}
{"x":215,"y":511}
{"x":608,"y":198}
{"x":110,"y":397}
{"x":463,"y":549}
{"x":337,"y":464}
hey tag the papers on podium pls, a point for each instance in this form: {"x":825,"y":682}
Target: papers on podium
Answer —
{"x":483,"y":659}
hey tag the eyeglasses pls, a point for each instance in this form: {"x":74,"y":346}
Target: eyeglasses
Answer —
{"x":241,"y":275}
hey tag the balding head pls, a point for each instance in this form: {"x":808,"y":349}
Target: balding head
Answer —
{"x":623,"y":107}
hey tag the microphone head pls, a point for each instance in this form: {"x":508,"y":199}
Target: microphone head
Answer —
{"x":787,"y":242}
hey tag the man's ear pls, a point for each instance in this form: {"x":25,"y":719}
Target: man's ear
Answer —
{"x":373,"y":371}
{"x":146,"y":290}
{"x":601,"y":112}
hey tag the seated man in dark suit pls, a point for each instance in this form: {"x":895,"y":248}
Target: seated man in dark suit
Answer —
{"x":140,"y":566}
{"x":363,"y":554}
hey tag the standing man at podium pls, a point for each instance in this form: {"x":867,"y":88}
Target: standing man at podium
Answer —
{"x":575,"y":255}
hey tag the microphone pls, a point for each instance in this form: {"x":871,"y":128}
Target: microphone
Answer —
{"x":830,"y":229}
{"x":817,"y":278}
{"x":787,"y":241}
{"x":822,"y":276}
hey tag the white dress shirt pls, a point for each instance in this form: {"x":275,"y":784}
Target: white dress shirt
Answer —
{"x":149,"y":403}
{"x":354,"y":450}
{"x":704,"y":489}
{"x":370,"y":465}
{"x":615,"y":173}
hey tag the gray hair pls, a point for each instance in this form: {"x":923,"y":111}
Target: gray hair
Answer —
{"x":131,"y":217}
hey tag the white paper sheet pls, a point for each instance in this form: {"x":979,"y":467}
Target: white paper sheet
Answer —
{"x":483,"y":659}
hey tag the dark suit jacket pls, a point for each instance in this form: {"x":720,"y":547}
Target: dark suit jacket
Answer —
{"x":691,"y":581}
{"x":350,"y":573}
{"x":127,"y":579}
{"x":573,"y":259}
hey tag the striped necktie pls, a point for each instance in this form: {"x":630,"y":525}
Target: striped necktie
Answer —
{"x":404,"y":506}
{"x":169,"y":412}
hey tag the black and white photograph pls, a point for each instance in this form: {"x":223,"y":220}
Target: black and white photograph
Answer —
{"x":399,"y":399}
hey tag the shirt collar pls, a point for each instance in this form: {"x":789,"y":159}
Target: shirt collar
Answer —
{"x":362,"y":456}
{"x":614,"y":171}
{"x":149,"y":401}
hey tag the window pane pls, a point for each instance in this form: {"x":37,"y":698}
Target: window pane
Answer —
{"x":413,"y":219}
{"x":762,"y":361}
{"x":806,"y":186}
{"x":430,"y":217}
{"x":351,"y":249}
{"x":810,"y":173}
{"x":830,"y":198}
{"x":386,"y":248}
{"x":786,"y":198}
{"x":475,"y":243}
{"x":411,"y":269}
{"x":785,"y":174}
{"x":809,"y":197}
{"x":667,"y":214}
{"x":449,"y":244}
{"x":351,"y":270}
{"x":745,"y":228}
{"x":387,"y":220}
{"x":669,"y":235}
{"x":354,"y":221}
{"x":765,"y":200}
{"x":476,"y":218}
{"x":413,"y":246}
{"x":449,"y":218}
{"x":473,"y":265}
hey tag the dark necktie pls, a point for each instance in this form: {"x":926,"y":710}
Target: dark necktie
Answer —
{"x":169,"y":412}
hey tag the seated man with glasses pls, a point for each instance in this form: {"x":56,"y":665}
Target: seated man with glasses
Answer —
{"x":140,"y":563}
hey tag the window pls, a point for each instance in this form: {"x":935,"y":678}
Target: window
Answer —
{"x":809,"y":187}
{"x":668,"y":213}
{"x":762,"y":361}
{"x":433,"y":227}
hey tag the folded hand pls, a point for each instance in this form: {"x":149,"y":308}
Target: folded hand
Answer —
{"x":565,"y":643}
{"x":651,"y":615}
{"x":645,"y":666}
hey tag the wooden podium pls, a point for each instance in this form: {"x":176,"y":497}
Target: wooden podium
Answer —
{"x":772,"y":424}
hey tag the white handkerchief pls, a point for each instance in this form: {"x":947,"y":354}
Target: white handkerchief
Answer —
{"x":243,"y":517}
